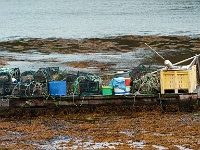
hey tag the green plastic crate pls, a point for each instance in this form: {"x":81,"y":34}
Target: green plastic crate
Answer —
{"x":107,"y":90}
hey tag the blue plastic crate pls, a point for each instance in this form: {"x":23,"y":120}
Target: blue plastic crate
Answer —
{"x":58,"y":88}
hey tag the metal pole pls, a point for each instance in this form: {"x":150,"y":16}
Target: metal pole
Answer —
{"x":186,"y":60}
{"x":155,"y":51}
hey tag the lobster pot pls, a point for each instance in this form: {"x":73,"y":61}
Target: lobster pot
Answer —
{"x":5,"y":77}
{"x":52,"y":70}
{"x":27,"y":76}
{"x":5,"y":89}
{"x":41,"y":75}
{"x":58,"y":88}
{"x":70,"y":79}
{"x":89,"y":87}
{"x":25,"y":90}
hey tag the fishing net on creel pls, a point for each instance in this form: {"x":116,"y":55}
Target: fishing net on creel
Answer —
{"x":5,"y":83}
{"x":70,"y":79}
{"x":87,"y":84}
{"x":144,"y":81}
{"x":5,"y":77}
{"x":42,"y":75}
{"x":59,"y":76}
{"x":49,"y":74}
{"x":27,"y":76}
{"x":8,"y":73}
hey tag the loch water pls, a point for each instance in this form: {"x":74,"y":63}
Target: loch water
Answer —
{"x":97,"y":18}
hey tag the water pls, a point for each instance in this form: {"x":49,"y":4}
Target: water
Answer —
{"x":97,"y":18}
{"x":34,"y":60}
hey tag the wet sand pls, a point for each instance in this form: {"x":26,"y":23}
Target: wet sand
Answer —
{"x":102,"y":127}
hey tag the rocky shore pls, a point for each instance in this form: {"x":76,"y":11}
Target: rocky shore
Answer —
{"x":96,"y":45}
{"x":175,"y":45}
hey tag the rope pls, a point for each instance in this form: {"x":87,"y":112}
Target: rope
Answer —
{"x":147,"y":83}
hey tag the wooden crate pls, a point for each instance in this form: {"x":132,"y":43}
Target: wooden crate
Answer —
{"x":178,"y":81}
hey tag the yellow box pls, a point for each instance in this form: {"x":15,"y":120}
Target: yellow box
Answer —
{"x":178,"y":80}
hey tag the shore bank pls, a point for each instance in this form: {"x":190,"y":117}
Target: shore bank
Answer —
{"x":96,"y":45}
{"x":96,"y":53}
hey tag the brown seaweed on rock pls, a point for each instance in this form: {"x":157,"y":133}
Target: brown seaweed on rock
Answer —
{"x":96,"y":45}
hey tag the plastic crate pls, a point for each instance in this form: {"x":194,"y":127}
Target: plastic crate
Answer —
{"x":58,"y":88}
{"x":178,"y":81}
{"x":107,"y":90}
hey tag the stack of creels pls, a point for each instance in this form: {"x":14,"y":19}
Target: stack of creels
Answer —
{"x":42,"y":75}
{"x":49,"y":74}
{"x":147,"y":84}
{"x":143,"y":80}
{"x":59,"y":76}
{"x":5,"y":77}
{"x":52,"y":70}
{"x":13,"y":72}
{"x":5,"y":83}
{"x":70,"y":79}
{"x":87,"y":84}
{"x":141,"y":70}
{"x":27,"y":76}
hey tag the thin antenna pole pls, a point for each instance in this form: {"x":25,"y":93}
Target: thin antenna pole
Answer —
{"x":155,"y":51}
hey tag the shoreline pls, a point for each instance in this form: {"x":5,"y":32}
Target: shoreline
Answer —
{"x":125,"y":42}
{"x":97,"y":54}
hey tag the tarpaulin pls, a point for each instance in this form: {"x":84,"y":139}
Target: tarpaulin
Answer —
{"x":118,"y":82}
